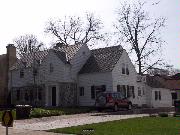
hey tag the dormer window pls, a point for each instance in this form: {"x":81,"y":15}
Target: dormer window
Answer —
{"x":21,"y":73}
{"x":35,"y":72}
{"x":51,"y":68}
{"x":39,"y":62}
{"x":125,"y":69}
{"x":25,"y":64}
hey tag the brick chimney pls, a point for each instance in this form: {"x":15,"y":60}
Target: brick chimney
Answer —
{"x":10,"y":60}
{"x":11,"y":55}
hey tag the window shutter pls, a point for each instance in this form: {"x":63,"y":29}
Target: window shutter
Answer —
{"x":159,"y":95}
{"x":118,"y":88}
{"x":133,"y":93}
{"x":103,"y":88}
{"x":156,"y":95}
{"x":92,"y":92}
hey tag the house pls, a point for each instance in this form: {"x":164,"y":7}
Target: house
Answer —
{"x":109,"y":69}
{"x":6,"y":61}
{"x":173,"y":84}
{"x":74,"y":75}
{"x":158,"y":94}
{"x":48,"y":78}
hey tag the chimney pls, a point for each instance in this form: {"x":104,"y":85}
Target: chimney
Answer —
{"x":11,"y":55}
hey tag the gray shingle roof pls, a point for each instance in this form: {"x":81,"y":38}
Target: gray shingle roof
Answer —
{"x":70,"y":50}
{"x":102,"y":60}
{"x":64,"y":53}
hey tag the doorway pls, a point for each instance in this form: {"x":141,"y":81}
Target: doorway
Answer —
{"x":53,"y":96}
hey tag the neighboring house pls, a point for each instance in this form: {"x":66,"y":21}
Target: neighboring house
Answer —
{"x":172,"y":83}
{"x":6,"y":61}
{"x":158,"y":94}
{"x":48,"y":78}
{"x":109,"y":69}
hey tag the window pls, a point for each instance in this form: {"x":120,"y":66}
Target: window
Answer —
{"x":81,"y":91}
{"x":18,"y":95}
{"x":25,"y":64}
{"x":157,"y":95}
{"x":92,"y":92}
{"x":51,"y":68}
{"x":103,"y":87}
{"x":21,"y":73}
{"x":123,"y":68}
{"x":127,"y":70}
{"x":39,"y":95}
{"x":35,"y":72}
{"x":39,"y":62}
{"x":139,"y":91}
{"x":124,"y":90}
{"x":26,"y":96}
{"x":128,"y":91}
{"x":143,"y":90}
{"x":118,"y":88}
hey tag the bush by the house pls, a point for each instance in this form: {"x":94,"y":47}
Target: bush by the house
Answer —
{"x":163,"y":114}
{"x":41,"y":112}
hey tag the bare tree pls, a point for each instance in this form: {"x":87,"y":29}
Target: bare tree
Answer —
{"x":27,"y":44}
{"x":140,"y":33}
{"x":73,"y":30}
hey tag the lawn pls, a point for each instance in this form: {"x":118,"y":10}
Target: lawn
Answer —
{"x":134,"y":126}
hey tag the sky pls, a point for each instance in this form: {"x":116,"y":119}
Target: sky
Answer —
{"x":19,"y":17}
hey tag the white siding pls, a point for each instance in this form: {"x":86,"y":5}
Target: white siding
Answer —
{"x":61,"y":72}
{"x":16,"y":81}
{"x":166,"y":99}
{"x":123,"y":79}
{"x":79,"y":60}
{"x":93,"y":79}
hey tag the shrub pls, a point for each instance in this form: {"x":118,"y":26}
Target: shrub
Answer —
{"x":38,"y":112}
{"x":163,"y":114}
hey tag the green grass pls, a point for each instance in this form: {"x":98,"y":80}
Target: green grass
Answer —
{"x":134,"y":126}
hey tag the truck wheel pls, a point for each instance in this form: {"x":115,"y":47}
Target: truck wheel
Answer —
{"x":115,"y":107}
{"x":130,"y":106}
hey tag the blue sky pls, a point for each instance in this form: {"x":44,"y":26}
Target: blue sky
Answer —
{"x":20,"y":17}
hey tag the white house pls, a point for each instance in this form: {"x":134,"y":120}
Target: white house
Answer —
{"x":158,"y":94}
{"x":48,"y":77}
{"x":73,"y":75}
{"x":109,"y":69}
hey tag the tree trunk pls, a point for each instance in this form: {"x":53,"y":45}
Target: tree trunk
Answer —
{"x":139,"y":66}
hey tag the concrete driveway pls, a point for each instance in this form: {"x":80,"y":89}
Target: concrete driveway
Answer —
{"x":36,"y":126}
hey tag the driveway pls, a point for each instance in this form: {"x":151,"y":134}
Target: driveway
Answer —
{"x":36,"y":126}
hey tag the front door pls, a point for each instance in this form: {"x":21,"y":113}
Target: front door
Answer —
{"x":53,"y":96}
